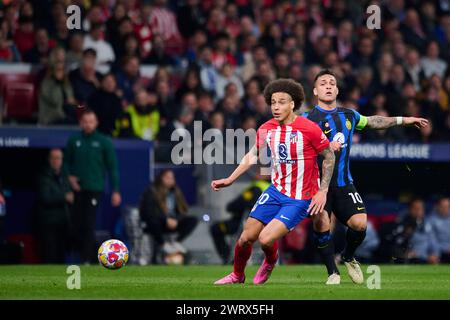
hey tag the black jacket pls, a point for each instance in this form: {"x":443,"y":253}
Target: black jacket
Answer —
{"x":52,"y":206}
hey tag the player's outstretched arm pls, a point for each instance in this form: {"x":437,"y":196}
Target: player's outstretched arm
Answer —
{"x":379,"y":122}
{"x":247,"y":161}
{"x":320,"y":198}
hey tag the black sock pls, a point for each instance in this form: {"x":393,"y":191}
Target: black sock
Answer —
{"x":353,"y":240}
{"x":325,"y":246}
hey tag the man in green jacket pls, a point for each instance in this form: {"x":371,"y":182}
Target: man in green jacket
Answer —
{"x":90,"y":156}
{"x":54,"y":197}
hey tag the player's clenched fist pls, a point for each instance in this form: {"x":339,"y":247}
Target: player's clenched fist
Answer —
{"x":221,"y":183}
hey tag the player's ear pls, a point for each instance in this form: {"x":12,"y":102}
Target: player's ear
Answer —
{"x":315,"y":92}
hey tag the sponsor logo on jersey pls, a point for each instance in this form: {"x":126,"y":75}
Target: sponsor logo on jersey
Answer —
{"x":339,"y":137}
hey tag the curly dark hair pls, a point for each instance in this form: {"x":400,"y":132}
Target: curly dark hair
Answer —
{"x":289,"y":86}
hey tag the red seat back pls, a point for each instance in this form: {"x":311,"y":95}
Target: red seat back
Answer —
{"x":19,"y":100}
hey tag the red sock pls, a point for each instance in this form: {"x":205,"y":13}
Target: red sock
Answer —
{"x":271,"y":253}
{"x":241,"y":256}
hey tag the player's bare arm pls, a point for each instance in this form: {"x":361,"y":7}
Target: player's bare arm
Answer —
{"x":320,"y":198}
{"x":379,"y":122}
{"x":247,"y":161}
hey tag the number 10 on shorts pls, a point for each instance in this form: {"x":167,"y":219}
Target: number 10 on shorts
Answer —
{"x":355,"y":197}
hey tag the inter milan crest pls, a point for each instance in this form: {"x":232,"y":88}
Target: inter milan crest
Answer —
{"x":348,"y":124}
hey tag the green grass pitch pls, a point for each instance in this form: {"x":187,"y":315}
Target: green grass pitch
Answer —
{"x":195,"y":282}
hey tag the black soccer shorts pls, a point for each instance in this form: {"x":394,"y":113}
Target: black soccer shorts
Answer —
{"x":344,"y":202}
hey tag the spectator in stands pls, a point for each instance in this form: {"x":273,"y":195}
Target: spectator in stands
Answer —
{"x":124,"y":27}
{"x":158,"y":55}
{"x":238,"y":207}
{"x":343,"y":42}
{"x":61,"y":33}
{"x":217,"y":120}
{"x":365,"y":54}
{"x":431,"y":63}
{"x":85,"y":80}
{"x":143,"y":30}
{"x":24,"y":35}
{"x":168,"y":108}
{"x":8,"y":50}
{"x":205,"y":107}
{"x":112,"y":24}
{"x":142,"y":117}
{"x":190,"y":18}
{"x":194,"y":45}
{"x":54,"y":198}
{"x":129,"y":47}
{"x":413,"y":68}
{"x":231,"y":110}
{"x":413,"y":31}
{"x":164,"y":23}
{"x":226,"y":76}
{"x":106,"y":104}
{"x":440,"y":221}
{"x":183,"y":121}
{"x":74,"y":55}
{"x":415,"y":238}
{"x":164,"y":210}
{"x":56,"y":100}
{"x":41,"y":50}
{"x":208,"y":73}
{"x":129,"y":79}
{"x":57,"y":55}
{"x":222,"y":51}
{"x":191,"y":83}
{"x":282,"y":64}
{"x":89,"y":157}
{"x":105,"y":54}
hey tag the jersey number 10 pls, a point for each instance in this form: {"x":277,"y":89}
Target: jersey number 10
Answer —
{"x":356,"y":197}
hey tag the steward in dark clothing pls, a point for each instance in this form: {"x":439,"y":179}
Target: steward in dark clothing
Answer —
{"x":54,"y":196}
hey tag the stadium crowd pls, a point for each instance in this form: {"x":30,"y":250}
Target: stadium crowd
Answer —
{"x":214,"y":57}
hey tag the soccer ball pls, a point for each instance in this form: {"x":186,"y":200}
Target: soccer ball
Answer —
{"x":113,"y":254}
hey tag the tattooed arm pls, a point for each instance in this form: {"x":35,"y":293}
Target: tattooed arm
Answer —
{"x":327,"y":168}
{"x":379,"y":122}
{"x":320,"y":198}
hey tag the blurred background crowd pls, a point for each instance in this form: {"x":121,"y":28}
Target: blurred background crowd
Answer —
{"x":211,"y":60}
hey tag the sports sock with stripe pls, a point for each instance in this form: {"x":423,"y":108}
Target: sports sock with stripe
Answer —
{"x":353,"y":240}
{"x":325,"y":245}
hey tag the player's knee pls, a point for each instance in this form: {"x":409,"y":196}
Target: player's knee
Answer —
{"x":265,"y":240}
{"x":321,"y":222}
{"x":358,"y":223}
{"x":246,"y":240}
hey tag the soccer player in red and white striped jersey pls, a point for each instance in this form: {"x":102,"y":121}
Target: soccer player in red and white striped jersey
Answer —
{"x":295,"y":192}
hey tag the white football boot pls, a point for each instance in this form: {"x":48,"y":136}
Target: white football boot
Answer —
{"x":354,"y":271}
{"x":333,"y":278}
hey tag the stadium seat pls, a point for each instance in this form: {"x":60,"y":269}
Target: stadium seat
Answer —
{"x":19,"y":100}
{"x":7,"y":78}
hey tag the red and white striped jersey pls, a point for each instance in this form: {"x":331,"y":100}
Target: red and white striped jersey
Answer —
{"x":294,"y":149}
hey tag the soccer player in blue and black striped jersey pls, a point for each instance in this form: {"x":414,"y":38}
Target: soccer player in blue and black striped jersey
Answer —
{"x":338,"y":124}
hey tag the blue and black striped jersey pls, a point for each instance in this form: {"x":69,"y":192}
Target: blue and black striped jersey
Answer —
{"x":338,"y":125}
